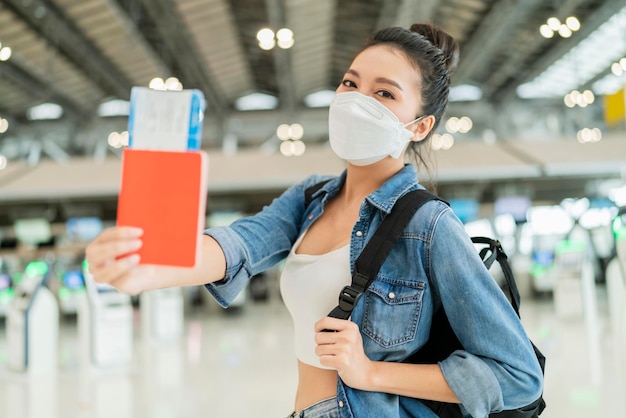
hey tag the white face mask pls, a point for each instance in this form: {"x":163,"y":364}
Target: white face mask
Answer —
{"x":363,"y":131}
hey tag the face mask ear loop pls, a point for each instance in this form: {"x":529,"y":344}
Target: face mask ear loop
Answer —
{"x":414,"y":120}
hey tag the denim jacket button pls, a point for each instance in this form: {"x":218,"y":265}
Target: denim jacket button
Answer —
{"x":310,"y":216}
{"x":392,"y":295}
{"x":359,"y":233}
{"x":340,"y":404}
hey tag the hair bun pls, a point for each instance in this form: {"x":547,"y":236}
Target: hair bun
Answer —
{"x":441,"y":40}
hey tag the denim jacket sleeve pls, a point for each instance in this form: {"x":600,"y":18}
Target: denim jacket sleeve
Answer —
{"x":498,"y":368}
{"x":255,"y":243}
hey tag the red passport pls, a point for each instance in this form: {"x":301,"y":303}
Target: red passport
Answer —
{"x":164,"y":193}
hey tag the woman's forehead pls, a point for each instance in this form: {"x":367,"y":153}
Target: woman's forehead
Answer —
{"x":388,"y":62}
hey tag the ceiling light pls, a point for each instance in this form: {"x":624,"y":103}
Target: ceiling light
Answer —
{"x":573,"y":23}
{"x":114,"y":140}
{"x":465,"y":125}
{"x":320,"y":98}
{"x":5,"y":53}
{"x":298,"y":148}
{"x":582,"y":63}
{"x":575,"y":98}
{"x":173,"y":84}
{"x":45,"y":111}
{"x":546,"y":32}
{"x":265,"y":35}
{"x":115,"y":107}
{"x":292,"y":148}
{"x":290,"y":136}
{"x":157,"y":83}
{"x":285,"y":44}
{"x":118,"y":139}
{"x":256,"y":101}
{"x":285,"y":38}
{"x":586,"y":135}
{"x":283,"y":132}
{"x":297,"y":131}
{"x":442,"y":142}
{"x":267,"y":45}
{"x":267,"y":39}
{"x":565,"y":32}
{"x":554,"y":23}
{"x":3,"y":162}
{"x":4,"y":125}
{"x":465,"y":93}
{"x":452,"y":125}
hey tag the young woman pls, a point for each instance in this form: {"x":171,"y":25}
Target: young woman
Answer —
{"x":393,"y":96}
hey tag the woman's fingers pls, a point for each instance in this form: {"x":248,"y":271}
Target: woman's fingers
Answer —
{"x":332,"y":324}
{"x":100,"y":255}
{"x":115,"y":270}
{"x":109,"y":255}
{"x":119,"y":232}
{"x":111,"y":244}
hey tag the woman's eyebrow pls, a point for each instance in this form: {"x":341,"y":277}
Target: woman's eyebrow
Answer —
{"x":389,"y":81}
{"x":378,"y":79}
{"x":353,"y":72}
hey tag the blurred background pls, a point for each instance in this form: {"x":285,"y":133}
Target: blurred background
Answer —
{"x":532,"y":151}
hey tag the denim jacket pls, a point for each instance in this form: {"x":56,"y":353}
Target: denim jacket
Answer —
{"x":433,"y":262}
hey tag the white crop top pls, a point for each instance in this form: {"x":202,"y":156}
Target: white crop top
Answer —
{"x":310,"y":286}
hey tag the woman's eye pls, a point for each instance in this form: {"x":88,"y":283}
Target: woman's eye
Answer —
{"x":348,"y":83}
{"x":385,"y":94}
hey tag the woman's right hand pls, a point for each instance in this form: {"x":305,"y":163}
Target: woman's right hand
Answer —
{"x":112,"y":258}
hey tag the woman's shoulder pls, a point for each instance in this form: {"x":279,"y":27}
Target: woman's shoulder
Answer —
{"x":434,"y":204}
{"x":430,"y":214}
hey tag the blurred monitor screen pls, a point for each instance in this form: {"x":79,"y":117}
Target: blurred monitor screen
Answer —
{"x":73,"y":279}
{"x":601,"y":202}
{"x":465,"y":209}
{"x":5,"y":281}
{"x":516,"y":206}
{"x":83,"y":229}
{"x":33,"y":231}
{"x":543,"y":258}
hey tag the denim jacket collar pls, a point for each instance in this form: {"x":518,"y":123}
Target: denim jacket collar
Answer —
{"x":386,"y":195}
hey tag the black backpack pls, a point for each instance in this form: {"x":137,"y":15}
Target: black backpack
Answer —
{"x":442,"y":340}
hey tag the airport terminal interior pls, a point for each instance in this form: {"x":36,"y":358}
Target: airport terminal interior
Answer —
{"x":531,"y":152}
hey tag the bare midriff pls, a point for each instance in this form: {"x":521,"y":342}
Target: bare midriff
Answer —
{"x":314,"y":385}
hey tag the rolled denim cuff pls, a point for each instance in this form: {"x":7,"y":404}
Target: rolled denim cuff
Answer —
{"x":226,"y":290}
{"x":473,"y":382}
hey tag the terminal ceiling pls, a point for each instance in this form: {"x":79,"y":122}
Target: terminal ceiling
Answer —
{"x":79,"y":54}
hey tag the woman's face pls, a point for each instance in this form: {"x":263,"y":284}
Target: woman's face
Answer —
{"x":387,"y":75}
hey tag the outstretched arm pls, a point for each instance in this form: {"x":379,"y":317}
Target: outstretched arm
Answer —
{"x":110,"y":263}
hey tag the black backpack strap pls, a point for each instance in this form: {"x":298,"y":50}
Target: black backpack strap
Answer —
{"x":310,"y":191}
{"x":494,"y":252}
{"x":377,"y":249}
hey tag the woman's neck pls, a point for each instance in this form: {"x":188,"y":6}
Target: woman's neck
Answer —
{"x":363,"y":180}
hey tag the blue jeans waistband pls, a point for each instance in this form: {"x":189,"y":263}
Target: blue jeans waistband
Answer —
{"x":323,"y":409}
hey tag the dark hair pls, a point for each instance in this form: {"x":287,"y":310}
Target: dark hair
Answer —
{"x":436,"y":54}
